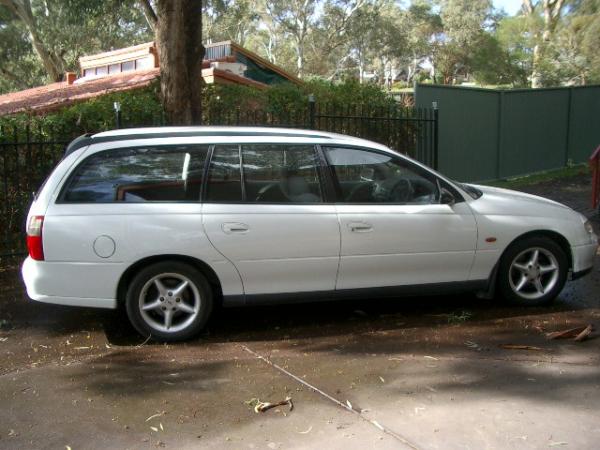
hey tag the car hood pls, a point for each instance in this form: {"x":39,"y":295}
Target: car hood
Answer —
{"x":505,"y":201}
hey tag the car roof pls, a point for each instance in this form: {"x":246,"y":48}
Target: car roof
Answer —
{"x":213,"y":132}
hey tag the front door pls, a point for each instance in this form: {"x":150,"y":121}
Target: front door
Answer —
{"x":394,"y":231}
{"x":264,"y":210}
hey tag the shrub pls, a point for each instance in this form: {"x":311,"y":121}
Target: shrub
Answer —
{"x":222,"y":104}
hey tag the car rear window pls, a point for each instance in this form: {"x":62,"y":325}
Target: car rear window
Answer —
{"x":148,"y":174}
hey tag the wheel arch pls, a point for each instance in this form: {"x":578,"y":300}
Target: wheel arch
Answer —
{"x":196,"y":263}
{"x":550,"y":234}
{"x":555,"y":236}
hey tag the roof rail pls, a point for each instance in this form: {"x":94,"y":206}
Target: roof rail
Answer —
{"x":88,"y":138}
{"x":82,"y":141}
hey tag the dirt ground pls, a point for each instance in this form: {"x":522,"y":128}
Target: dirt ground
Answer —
{"x":427,"y":373}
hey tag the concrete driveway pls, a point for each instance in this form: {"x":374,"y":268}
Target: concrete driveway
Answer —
{"x":427,"y":373}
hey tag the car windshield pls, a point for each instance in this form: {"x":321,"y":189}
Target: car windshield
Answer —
{"x":471,"y":190}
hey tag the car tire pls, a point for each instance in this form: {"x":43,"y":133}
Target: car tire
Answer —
{"x":532,"y":271}
{"x":169,"y":301}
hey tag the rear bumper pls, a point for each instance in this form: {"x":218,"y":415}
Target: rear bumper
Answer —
{"x":45,"y":282}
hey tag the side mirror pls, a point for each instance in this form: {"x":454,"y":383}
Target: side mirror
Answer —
{"x":446,"y":197}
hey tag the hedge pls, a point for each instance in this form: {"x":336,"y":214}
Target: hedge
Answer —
{"x":142,"y":107}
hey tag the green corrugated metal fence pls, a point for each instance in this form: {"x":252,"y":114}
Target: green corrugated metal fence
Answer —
{"x":487,"y":134}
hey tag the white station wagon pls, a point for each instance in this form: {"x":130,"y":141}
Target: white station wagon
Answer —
{"x":171,"y":221}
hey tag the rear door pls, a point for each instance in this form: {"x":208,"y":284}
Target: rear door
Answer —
{"x":265,"y":210}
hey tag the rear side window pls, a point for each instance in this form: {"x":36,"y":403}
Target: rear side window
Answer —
{"x":281,"y":174}
{"x":148,"y":174}
{"x":264,"y":173}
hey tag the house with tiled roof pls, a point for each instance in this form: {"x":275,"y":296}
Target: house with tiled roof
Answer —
{"x":137,"y":67}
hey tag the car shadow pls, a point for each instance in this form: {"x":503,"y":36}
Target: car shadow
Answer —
{"x":340,"y":317}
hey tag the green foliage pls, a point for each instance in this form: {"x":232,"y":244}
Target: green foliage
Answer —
{"x":493,"y":65}
{"x":139,"y":107}
{"x":222,"y":104}
{"x":66,"y":30}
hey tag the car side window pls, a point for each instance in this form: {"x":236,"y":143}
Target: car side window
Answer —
{"x":281,"y":174}
{"x":147,"y":174}
{"x":364,"y":176}
{"x":270,"y":173}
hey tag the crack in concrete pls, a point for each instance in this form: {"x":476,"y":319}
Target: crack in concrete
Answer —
{"x":348,"y":407}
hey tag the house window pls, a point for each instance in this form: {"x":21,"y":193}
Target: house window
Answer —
{"x":103,"y":70}
{"x":89,"y":72}
{"x":127,"y":66}
{"x":143,"y":63}
{"x":114,"y":68}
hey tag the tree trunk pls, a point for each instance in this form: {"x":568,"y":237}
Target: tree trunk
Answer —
{"x":536,"y":76}
{"x":53,"y":67}
{"x":300,"y":59}
{"x":180,"y":52}
{"x":551,"y":11}
{"x":52,"y":63}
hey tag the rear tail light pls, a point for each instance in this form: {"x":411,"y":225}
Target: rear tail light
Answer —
{"x":34,"y":238}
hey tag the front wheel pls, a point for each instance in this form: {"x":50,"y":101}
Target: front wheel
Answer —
{"x":169,"y":301}
{"x":533,"y":271}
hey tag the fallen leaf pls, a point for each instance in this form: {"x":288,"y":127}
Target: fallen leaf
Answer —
{"x":154,"y":429}
{"x":154,"y":415}
{"x":431,"y":357}
{"x":374,"y":422}
{"x":382,"y":380}
{"x":307,"y":431}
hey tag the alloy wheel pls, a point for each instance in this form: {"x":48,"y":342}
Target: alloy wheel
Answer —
{"x":169,"y":302}
{"x":533,"y":273}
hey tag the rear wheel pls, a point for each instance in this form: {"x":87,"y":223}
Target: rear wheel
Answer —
{"x":169,"y":301}
{"x":532,"y":271}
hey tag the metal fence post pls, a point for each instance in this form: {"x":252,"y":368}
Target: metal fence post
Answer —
{"x":311,"y":111}
{"x":436,"y":129}
{"x":117,"y":107}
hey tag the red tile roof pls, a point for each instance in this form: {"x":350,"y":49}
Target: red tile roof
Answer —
{"x":55,"y":95}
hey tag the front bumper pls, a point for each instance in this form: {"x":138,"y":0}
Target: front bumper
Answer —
{"x":583,"y":259}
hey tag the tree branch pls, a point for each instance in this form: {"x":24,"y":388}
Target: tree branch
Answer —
{"x":149,"y":13}
{"x":528,"y":6}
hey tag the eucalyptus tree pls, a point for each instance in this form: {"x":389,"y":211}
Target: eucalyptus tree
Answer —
{"x":178,"y":33}
{"x":57,"y":32}
{"x":463,"y":23}
{"x":545,"y":16}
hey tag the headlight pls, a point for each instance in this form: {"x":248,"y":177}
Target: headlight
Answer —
{"x":588,"y":227}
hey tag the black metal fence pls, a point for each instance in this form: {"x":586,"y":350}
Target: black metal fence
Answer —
{"x":26,"y":158}
{"x":28,"y":154}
